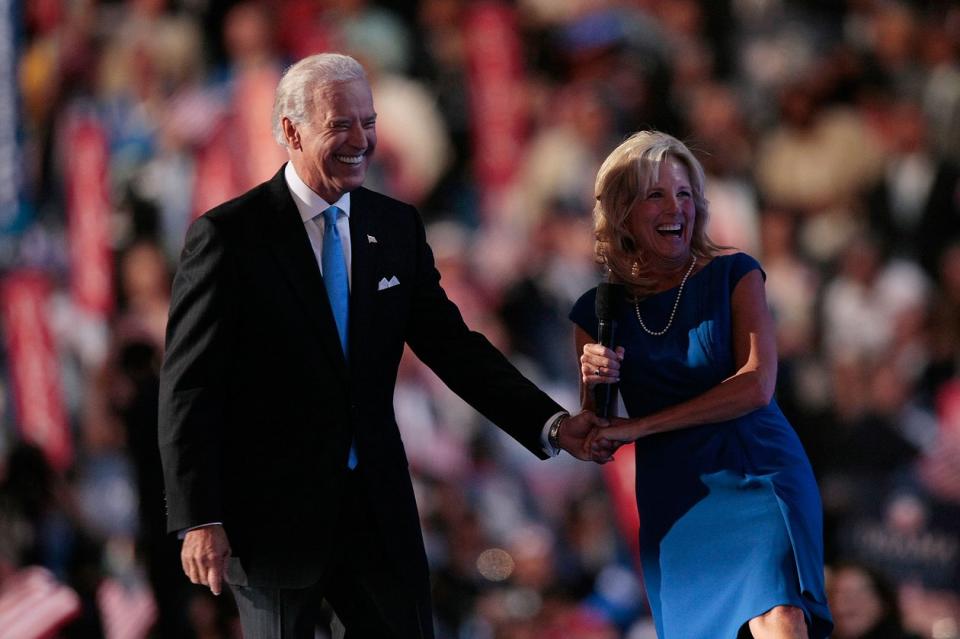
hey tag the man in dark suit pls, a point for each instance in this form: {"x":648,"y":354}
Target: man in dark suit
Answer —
{"x":284,"y":469}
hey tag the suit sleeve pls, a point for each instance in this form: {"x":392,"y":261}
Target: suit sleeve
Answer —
{"x":192,"y":396}
{"x":468,"y":363}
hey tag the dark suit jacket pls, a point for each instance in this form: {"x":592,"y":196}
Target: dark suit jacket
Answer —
{"x":258,"y":407}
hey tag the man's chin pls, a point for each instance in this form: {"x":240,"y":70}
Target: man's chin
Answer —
{"x":352,"y":182}
{"x":347,"y":186}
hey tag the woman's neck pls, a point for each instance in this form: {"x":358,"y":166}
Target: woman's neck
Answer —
{"x":668,"y":275}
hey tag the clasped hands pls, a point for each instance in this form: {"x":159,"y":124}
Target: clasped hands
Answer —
{"x":601,"y":365}
{"x":581,"y":436}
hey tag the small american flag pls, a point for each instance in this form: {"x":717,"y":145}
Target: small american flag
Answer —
{"x":33,"y":604}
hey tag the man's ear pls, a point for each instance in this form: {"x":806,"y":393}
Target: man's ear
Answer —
{"x":290,"y":133}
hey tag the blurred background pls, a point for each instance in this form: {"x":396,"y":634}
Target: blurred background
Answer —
{"x":830,"y":133}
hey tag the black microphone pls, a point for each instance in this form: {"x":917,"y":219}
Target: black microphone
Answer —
{"x":609,"y":297}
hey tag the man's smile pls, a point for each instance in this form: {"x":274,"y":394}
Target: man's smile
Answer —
{"x":349,"y":159}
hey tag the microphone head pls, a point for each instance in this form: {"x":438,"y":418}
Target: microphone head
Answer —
{"x":608,"y":300}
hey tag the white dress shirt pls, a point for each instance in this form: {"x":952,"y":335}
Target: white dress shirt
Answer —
{"x":311,"y":207}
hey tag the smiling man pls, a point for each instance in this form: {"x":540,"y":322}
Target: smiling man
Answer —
{"x":284,"y":469}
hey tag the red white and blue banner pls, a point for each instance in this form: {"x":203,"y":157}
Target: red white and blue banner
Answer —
{"x":34,"y":367}
{"x":88,"y":215}
{"x":497,"y":103}
{"x":33,"y":604}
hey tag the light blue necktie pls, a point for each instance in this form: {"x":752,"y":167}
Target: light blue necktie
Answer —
{"x":338,"y":288}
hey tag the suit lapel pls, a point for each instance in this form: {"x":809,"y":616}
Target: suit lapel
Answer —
{"x":290,"y":246}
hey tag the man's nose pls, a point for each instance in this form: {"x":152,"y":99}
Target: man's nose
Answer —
{"x":358,"y":136}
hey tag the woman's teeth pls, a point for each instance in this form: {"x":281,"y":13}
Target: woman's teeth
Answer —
{"x":670,"y":229}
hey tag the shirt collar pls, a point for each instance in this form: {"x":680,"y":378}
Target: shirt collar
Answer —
{"x":309,"y":204}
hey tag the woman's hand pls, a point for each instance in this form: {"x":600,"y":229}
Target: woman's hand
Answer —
{"x":600,"y":365}
{"x":619,"y":431}
{"x":600,"y":449}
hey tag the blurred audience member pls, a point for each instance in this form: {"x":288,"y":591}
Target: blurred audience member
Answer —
{"x":721,"y":141}
{"x":564,"y":153}
{"x":254,"y":66}
{"x":864,"y":605}
{"x":941,"y":91}
{"x":866,"y":300}
{"x":945,"y":325}
{"x":817,"y":160}
{"x":915,"y":208}
{"x":559,"y":264}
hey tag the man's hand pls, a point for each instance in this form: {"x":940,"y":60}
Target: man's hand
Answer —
{"x":579,"y":436}
{"x":204,"y":554}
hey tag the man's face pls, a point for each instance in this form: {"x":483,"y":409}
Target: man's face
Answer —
{"x":332,"y":150}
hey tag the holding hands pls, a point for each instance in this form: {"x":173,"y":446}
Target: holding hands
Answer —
{"x":579,"y":436}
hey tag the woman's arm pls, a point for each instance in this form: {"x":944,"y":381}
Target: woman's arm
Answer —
{"x":749,"y":388}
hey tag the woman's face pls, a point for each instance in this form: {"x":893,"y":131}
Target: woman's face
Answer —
{"x":662,"y":219}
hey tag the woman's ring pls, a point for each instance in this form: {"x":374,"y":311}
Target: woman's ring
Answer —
{"x":597,"y":372}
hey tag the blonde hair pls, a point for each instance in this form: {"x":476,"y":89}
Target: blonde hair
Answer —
{"x":626,"y":175}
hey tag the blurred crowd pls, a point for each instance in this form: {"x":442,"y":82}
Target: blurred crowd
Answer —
{"x":830,"y":133}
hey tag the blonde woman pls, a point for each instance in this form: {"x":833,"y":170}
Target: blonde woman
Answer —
{"x":731,"y":521}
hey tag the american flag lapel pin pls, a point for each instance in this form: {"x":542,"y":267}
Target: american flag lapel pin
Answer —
{"x":371,"y":239}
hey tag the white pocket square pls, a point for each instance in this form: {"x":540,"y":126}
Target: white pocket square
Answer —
{"x":385,"y":283}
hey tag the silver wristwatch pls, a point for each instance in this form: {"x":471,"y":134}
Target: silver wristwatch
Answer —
{"x":553,"y":435}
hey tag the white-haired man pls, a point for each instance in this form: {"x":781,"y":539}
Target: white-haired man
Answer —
{"x":283,"y":465}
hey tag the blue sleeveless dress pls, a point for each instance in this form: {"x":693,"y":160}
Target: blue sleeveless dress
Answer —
{"x":730,"y":514}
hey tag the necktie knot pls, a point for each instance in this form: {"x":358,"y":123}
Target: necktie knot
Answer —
{"x":330,"y":215}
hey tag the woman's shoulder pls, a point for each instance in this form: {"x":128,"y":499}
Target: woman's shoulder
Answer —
{"x":737,"y":258}
{"x":735,"y":265}
{"x":585,"y":306}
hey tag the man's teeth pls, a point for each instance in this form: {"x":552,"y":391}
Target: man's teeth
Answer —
{"x":350,"y":159}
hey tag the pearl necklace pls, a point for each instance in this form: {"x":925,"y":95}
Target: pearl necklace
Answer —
{"x":676,"y":303}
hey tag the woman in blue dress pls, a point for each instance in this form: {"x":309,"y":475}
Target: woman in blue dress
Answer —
{"x":730,"y":515}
